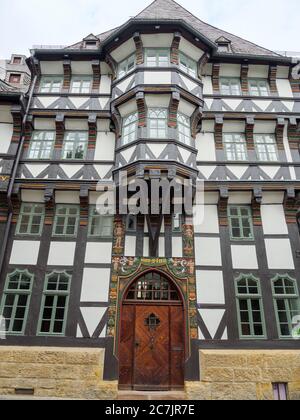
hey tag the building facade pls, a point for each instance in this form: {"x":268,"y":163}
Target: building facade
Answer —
{"x":206,"y":303}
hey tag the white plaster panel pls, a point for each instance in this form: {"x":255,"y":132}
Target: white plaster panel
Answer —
{"x":234,"y":127}
{"x":207,"y":85}
{"x":92,"y":318}
{"x":212,"y":319}
{"x":157,"y":40}
{"x":190,"y":50}
{"x":208,"y":252}
{"x":24,"y":253}
{"x":230,"y":70}
{"x":207,"y":170}
{"x":240,"y":197}
{"x":186,"y":108}
{"x":62,"y":253}
{"x":128,"y":108}
{"x":153,"y":101}
{"x":104,"y":67}
{"x":44,"y":124}
{"x":47,"y":100}
{"x":208,"y":126}
{"x":206,"y":219}
{"x":283,"y":72}
{"x":67,"y":197}
{"x":177,"y":245}
{"x":123,"y":86}
{"x":51,"y":67}
{"x":157,"y":77}
{"x":80,"y":124}
{"x":130,"y":246}
{"x":32,"y":196}
{"x":81,"y":68}
{"x":105,"y":146}
{"x":103,"y":125}
{"x":161,"y":247}
{"x":124,"y":50}
{"x":273,"y":197}
{"x":211,"y":198}
{"x":36,"y":169}
{"x":284,"y":88}
{"x":273,"y":219}
{"x":205,"y":144}
{"x":5,"y":114}
{"x":105,"y":85}
{"x":146,"y":247}
{"x":265,"y":127}
{"x":210,"y":287}
{"x":279,"y":254}
{"x":258,"y":71}
{"x":244,"y":257}
{"x":6,"y":131}
{"x":98,"y":253}
{"x":70,"y":170}
{"x":95,"y":285}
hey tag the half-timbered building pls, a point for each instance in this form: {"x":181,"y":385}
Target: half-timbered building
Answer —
{"x":208,"y":305}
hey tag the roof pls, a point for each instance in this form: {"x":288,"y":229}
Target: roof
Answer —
{"x":6,"y":88}
{"x":169,"y":10}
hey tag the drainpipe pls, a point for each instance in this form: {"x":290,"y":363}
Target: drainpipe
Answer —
{"x":13,"y":175}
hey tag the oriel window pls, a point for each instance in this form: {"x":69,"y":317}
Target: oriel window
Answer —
{"x":129,"y":132}
{"x":235,"y":146}
{"x":259,"y":87}
{"x":126,"y":66}
{"x":157,"y":57}
{"x":81,"y":85}
{"x":41,"y":145}
{"x":230,"y":86}
{"x":75,"y":145}
{"x":157,"y":119}
{"x":266,"y":147}
{"x":51,"y":84}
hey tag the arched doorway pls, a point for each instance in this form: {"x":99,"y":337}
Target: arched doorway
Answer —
{"x":152,"y":335}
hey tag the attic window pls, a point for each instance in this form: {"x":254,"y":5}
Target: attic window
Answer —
{"x":17,"y":60}
{"x":91,"y":44}
{"x":14,"y":78}
{"x":222,"y":47}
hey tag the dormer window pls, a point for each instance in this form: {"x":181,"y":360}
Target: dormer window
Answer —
{"x":17,"y":60}
{"x":15,"y":78}
{"x":92,"y":45}
{"x":224,"y":45}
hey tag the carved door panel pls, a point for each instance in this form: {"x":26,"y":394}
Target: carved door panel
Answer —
{"x":126,"y":347}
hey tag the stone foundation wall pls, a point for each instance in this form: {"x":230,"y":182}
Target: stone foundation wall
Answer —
{"x":55,"y":372}
{"x":245,"y":375}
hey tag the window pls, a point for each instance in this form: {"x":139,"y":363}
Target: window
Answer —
{"x":184,"y":128}
{"x":157,"y":123}
{"x":280,"y":392}
{"x":258,"y":87}
{"x":17,"y":60}
{"x":188,"y":65}
{"x":223,"y":47}
{"x":66,"y":221}
{"x":41,"y":145}
{"x":157,"y":57}
{"x":287,"y":303}
{"x":100,"y":225}
{"x":81,"y":85}
{"x":91,"y":44}
{"x":249,"y":306}
{"x":75,"y":145}
{"x":176,"y":223}
{"x":130,"y":128}
{"x":31,"y":219}
{"x":235,"y":147}
{"x":51,"y":84}
{"x":240,"y":222}
{"x":16,"y":300}
{"x":266,"y":147}
{"x":55,"y":301}
{"x":126,"y":66}
{"x":131,"y":223}
{"x":230,"y":86}
{"x":14,"y":78}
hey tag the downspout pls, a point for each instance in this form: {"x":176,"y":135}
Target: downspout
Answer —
{"x":13,"y":175}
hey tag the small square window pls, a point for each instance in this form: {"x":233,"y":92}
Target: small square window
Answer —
{"x":280,"y":391}
{"x":91,"y":44}
{"x":15,"y":78}
{"x":17,"y":60}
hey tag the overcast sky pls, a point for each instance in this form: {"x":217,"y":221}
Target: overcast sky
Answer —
{"x":273,"y":24}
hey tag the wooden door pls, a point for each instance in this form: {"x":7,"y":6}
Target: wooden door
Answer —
{"x":151,"y":354}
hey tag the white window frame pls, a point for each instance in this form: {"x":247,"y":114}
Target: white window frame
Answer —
{"x":52,"y":81}
{"x":158,"y":62}
{"x":76,"y":143}
{"x":266,"y":155}
{"x":123,"y":67}
{"x":231,"y":148}
{"x":191,"y":67}
{"x":259,"y":90}
{"x":129,"y":128}
{"x":155,"y":131}
{"x":81,"y":80}
{"x":41,"y":147}
{"x":184,"y":128}
{"x":232,"y":82}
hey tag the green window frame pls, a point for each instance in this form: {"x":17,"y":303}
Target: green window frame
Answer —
{"x":235,"y":146}
{"x":126,"y":66}
{"x":188,"y":65}
{"x":81,"y":84}
{"x":75,"y":145}
{"x":286,"y":303}
{"x":240,"y":223}
{"x":51,"y":84}
{"x":157,"y":57}
{"x":66,"y":220}
{"x":266,"y":147}
{"x":100,"y":226}
{"x":31,"y":219}
{"x":230,"y":86}
{"x":129,"y":130}
{"x":250,"y":307}
{"x":41,"y":145}
{"x":184,"y":128}
{"x":55,"y":303}
{"x":15,"y":301}
{"x":259,"y":87}
{"x":158,"y":123}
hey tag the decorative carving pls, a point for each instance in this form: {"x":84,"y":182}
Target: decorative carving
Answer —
{"x":139,"y":48}
{"x":141,"y":106}
{"x":216,"y":77}
{"x":173,"y":109}
{"x":188,"y":240}
{"x":175,"y":48}
{"x":96,"y":76}
{"x":244,"y":79}
{"x":119,"y":233}
{"x":219,"y":121}
{"x":272,"y":80}
{"x":67,"y":75}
